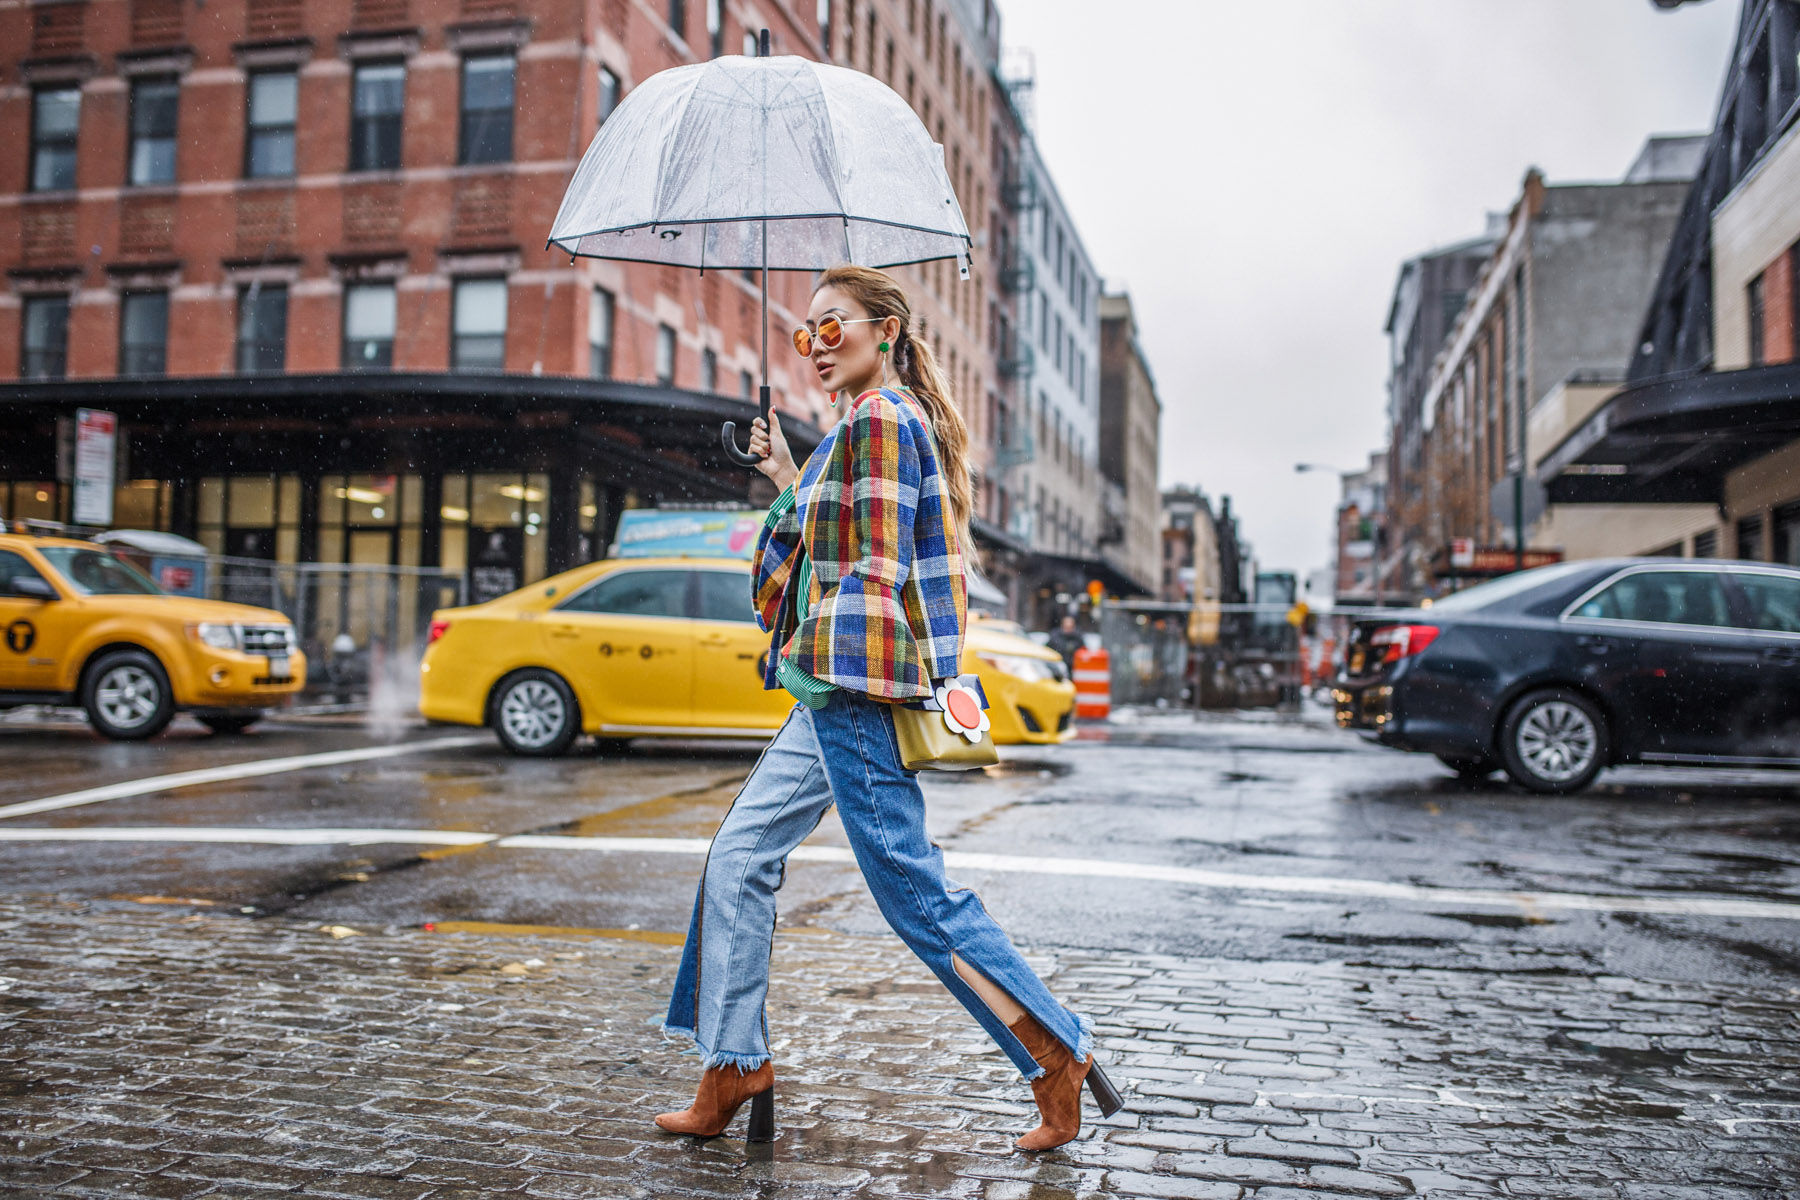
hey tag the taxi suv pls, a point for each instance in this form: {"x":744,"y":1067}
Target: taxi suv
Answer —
{"x":1554,"y":674}
{"x":668,"y":647}
{"x":83,"y":627}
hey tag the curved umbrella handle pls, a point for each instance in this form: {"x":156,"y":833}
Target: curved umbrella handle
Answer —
{"x":728,"y":438}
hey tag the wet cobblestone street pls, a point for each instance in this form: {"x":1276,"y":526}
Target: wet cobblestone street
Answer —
{"x":173,"y":1052}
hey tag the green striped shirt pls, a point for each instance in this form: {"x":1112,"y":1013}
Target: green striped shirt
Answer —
{"x":808,"y":689}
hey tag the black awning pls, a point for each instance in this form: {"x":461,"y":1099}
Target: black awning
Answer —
{"x":1675,"y":440}
{"x":668,"y":418}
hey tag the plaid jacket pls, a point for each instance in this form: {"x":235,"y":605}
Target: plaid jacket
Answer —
{"x":888,"y":601}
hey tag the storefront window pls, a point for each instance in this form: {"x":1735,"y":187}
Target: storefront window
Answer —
{"x":250,"y":516}
{"x":28,"y":499}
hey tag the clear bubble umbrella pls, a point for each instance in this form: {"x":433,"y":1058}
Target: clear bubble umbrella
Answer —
{"x":770,"y":163}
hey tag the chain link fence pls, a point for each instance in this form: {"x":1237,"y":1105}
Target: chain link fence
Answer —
{"x":1253,"y":662}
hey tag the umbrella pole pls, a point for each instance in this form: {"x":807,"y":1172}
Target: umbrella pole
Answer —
{"x":728,"y":432}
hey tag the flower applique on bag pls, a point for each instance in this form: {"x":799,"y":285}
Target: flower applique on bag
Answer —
{"x":948,"y":730}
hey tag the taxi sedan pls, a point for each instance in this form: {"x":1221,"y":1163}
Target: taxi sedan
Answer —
{"x":666,"y":647}
{"x":84,"y":627}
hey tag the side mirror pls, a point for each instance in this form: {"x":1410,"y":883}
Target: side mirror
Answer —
{"x":32,"y":587}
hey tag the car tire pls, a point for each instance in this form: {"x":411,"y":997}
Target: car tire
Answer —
{"x":127,"y":696}
{"x":534,"y":714}
{"x":1469,"y":766}
{"x":228,"y":724}
{"x":1554,"y":741}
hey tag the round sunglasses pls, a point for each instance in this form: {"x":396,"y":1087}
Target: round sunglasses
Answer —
{"x":829,"y":335}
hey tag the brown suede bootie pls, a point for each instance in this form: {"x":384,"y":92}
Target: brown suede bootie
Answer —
{"x":723,"y":1091}
{"x":1057,"y":1090}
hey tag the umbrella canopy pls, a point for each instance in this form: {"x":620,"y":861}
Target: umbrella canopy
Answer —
{"x":775,"y":162}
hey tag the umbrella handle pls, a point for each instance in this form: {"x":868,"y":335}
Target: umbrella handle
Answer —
{"x":728,"y":438}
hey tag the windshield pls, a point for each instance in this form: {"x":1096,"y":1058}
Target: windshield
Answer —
{"x":96,"y":573}
{"x":1504,"y":588}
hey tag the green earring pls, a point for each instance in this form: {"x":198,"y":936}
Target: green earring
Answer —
{"x":883,"y":348}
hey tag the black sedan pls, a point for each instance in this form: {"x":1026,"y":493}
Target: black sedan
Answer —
{"x":1555,"y":673}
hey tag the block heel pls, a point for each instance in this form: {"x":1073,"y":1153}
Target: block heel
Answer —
{"x":762,"y":1117}
{"x":1105,"y":1094}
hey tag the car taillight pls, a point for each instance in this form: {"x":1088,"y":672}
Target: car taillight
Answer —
{"x":1403,"y":641}
{"x":438,"y":629}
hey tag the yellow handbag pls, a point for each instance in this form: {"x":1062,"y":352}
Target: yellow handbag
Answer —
{"x":948,"y":730}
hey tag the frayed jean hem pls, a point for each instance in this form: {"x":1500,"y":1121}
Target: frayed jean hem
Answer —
{"x":745,"y":1063}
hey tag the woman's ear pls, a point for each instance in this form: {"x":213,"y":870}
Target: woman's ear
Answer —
{"x":890,"y":330}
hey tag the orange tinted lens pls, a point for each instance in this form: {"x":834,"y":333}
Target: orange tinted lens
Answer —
{"x":803,"y":342}
{"x":831,"y":333}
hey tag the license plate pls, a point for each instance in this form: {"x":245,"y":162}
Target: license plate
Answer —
{"x":278,"y":667}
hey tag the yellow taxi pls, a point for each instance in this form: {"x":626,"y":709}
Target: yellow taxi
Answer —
{"x":83,"y":627}
{"x":668,"y":646}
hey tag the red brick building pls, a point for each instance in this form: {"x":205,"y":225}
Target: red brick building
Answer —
{"x":299,"y":249}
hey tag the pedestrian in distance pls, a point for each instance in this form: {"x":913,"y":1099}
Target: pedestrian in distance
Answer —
{"x":858,"y":576}
{"x":1066,"y":639}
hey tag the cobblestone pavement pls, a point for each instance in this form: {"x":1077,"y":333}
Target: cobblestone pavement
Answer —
{"x":174,"y":1052}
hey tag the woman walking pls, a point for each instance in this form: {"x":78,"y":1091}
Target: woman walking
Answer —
{"x":859,"y":577}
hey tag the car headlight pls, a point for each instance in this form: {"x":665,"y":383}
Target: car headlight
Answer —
{"x":1031,"y":670}
{"x":220,"y":637}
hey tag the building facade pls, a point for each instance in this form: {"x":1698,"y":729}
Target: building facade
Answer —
{"x":1710,"y":415}
{"x":1549,"y":320}
{"x":300,"y":252}
{"x":1428,"y":297}
{"x":1361,"y":535}
{"x":1192,"y":569}
{"x":1130,"y":435}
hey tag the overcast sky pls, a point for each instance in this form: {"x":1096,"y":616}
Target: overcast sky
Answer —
{"x":1255,"y":171}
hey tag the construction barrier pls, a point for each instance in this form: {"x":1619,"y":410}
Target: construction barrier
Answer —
{"x":1093,"y":684}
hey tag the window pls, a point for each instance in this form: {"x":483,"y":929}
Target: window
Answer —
{"x":609,"y":93}
{"x":725,"y":596}
{"x":14,"y":567}
{"x":369,"y":321}
{"x":269,"y":144}
{"x":678,"y":18}
{"x":262,"y":329}
{"x":824,"y":15}
{"x":715,"y":26}
{"x":635,"y":594}
{"x":746,"y":385}
{"x":143,"y":333}
{"x":98,"y":573}
{"x":45,"y":345}
{"x":1662,"y":598}
{"x":153,"y":113}
{"x":487,"y":109}
{"x":1774,"y":602}
{"x":665,"y":355}
{"x":478,"y":325}
{"x":1706,"y":544}
{"x":1750,"y":538}
{"x":1758,"y":348}
{"x":55,"y":119}
{"x":709,"y":370}
{"x":377,"y":104}
{"x":600,"y":334}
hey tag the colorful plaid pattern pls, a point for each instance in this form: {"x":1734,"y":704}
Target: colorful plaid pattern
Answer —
{"x":887,"y":605}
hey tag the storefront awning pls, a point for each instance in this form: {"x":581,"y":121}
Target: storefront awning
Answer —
{"x":1674,"y":440}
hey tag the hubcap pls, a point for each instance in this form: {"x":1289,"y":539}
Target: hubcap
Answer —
{"x":1557,"y":740}
{"x":127,"y":696}
{"x":533,"y":713}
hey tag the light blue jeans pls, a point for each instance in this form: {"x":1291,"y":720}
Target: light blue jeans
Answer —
{"x":844,"y":752}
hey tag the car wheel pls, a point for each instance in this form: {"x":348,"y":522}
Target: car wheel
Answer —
{"x":126,"y":694}
{"x":535,"y":714}
{"x":1553,"y":741}
{"x":1469,"y":767}
{"x":228,"y":723}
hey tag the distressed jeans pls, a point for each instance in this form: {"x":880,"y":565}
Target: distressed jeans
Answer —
{"x":846,"y":753}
